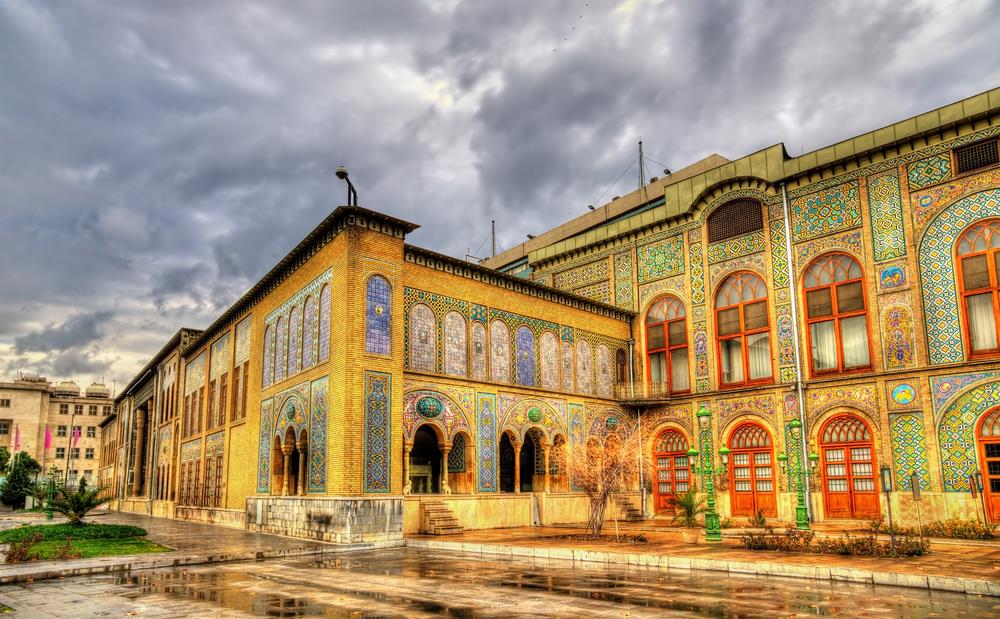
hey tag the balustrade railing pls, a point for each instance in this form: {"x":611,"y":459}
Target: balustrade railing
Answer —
{"x":642,"y":391}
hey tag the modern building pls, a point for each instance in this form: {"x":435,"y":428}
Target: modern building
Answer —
{"x":30,"y":404}
{"x":799,"y":322}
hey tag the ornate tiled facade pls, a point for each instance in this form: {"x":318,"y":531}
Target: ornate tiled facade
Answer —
{"x":909,"y":451}
{"x":660,"y":259}
{"x":885,"y":208}
{"x":734,"y":248}
{"x":377,"y":431}
{"x":929,"y":171}
{"x":624,"y":287}
{"x":826,"y":211}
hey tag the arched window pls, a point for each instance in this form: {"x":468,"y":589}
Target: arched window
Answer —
{"x":378,"y":319}
{"x":848,"y":468}
{"x":294,"y":339}
{"x":979,"y":284}
{"x":268,"y":356}
{"x":309,"y":333}
{"x":621,"y":367}
{"x":455,"y":349}
{"x":550,"y":360}
{"x":751,"y":471}
{"x":324,"y":324}
{"x":673,"y":472}
{"x":423,"y":339}
{"x":604,"y":371}
{"x":741,"y":324}
{"x":499,"y":352}
{"x":478,"y":351}
{"x":281,"y":350}
{"x":734,"y":219}
{"x":525,"y":357}
{"x":567,"y":366}
{"x":584,"y":368}
{"x":836,"y":314}
{"x":667,"y":345}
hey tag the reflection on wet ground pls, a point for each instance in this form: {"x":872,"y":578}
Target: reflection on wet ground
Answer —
{"x":419,"y":583}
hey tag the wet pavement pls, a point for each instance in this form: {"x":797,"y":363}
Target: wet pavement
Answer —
{"x":423,"y":583}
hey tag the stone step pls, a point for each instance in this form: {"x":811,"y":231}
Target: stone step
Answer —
{"x":439,"y":520}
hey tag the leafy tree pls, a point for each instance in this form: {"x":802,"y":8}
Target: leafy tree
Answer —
{"x":4,"y":459}
{"x":75,"y":504}
{"x":20,"y":481}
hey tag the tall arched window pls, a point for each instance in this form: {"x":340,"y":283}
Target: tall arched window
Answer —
{"x":979,"y":284}
{"x":309,"y":333}
{"x":667,"y":345}
{"x":499,"y":352}
{"x":423,"y":339}
{"x":836,"y":313}
{"x":378,"y":319}
{"x":604,"y":388}
{"x":584,"y":367}
{"x":324,"y":324}
{"x":281,"y":350}
{"x":567,"y":366}
{"x":550,"y":360}
{"x":478,"y":351}
{"x":456,"y":352}
{"x":294,"y":337}
{"x":525,"y":357}
{"x":621,"y":367}
{"x":743,"y":330}
{"x":268,"y":357}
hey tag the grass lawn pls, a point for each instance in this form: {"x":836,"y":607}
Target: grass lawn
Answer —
{"x":99,"y":547}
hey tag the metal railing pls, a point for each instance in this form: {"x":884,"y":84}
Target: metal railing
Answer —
{"x":642,"y":391}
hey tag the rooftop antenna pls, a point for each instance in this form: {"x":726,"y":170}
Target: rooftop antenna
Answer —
{"x":352,"y":194}
{"x":642,"y":173}
{"x":493,"y":237}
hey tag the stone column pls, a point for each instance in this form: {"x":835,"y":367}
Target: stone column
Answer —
{"x":140,"y":439}
{"x":545,"y":452}
{"x":286,"y":449}
{"x":302,"y":467}
{"x":517,"y":468}
{"x":445,"y":450}
{"x":407,"y":485}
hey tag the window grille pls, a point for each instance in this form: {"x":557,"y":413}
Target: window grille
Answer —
{"x":975,"y":156}
{"x":734,"y":219}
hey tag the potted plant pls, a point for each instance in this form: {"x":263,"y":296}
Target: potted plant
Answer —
{"x":687,"y":507}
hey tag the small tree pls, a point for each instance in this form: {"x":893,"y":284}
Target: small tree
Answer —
{"x":603,"y":471}
{"x":20,"y":480}
{"x":4,"y":459}
{"x":687,"y":507}
{"x":75,"y":504}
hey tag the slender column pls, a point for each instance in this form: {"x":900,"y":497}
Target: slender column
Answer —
{"x":545,"y":452}
{"x":517,"y":468}
{"x":302,"y":467}
{"x":445,"y":450}
{"x":407,"y":484}
{"x":286,"y":450}
{"x":140,"y":438}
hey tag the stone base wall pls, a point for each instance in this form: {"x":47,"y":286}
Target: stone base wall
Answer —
{"x":341,"y":520}
{"x":226,"y":517}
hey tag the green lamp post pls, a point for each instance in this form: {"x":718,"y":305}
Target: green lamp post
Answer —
{"x":800,"y":472}
{"x":713,"y":532}
{"x":51,"y":491}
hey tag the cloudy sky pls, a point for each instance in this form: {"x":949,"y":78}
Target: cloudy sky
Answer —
{"x":158,"y":157}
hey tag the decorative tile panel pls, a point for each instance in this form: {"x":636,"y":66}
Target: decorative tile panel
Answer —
{"x":453,"y":409}
{"x":623,"y":281}
{"x":937,"y":273}
{"x":786,"y":336}
{"x":215,"y":444}
{"x":956,"y":434}
{"x":779,"y":253}
{"x":219,"y":361}
{"x":550,"y":360}
{"x":264,"y":447}
{"x":242,"y":352}
{"x":926,"y":204}
{"x":753,"y":262}
{"x":654,"y":289}
{"x":317,"y":436}
{"x":600,"y":292}
{"x":378,"y":316}
{"x":928,"y":171}
{"x":194,"y":374}
{"x":377,"y":431}
{"x":296,"y":331}
{"x":455,"y":346}
{"x":268,"y":363}
{"x":826,"y":211}
{"x":479,"y":351}
{"x":587,"y":274}
{"x":885,"y":209}
{"x":861,"y":397}
{"x":700,"y":351}
{"x":525,"y":357}
{"x":324,"y":324}
{"x":280,"y":349}
{"x":761,"y":405}
{"x":604,"y":370}
{"x":567,"y":366}
{"x":499,"y":352}
{"x":892,"y":278}
{"x":661,"y":259}
{"x":849,"y":242}
{"x":697,"y":272}
{"x":734,"y":248}
{"x":294,"y":339}
{"x":584,"y":367}
{"x":486,"y":443}
{"x":903,"y":395}
{"x":909,"y":451}
{"x":946,"y":388}
{"x":423,"y":339}
{"x":897,"y":337}
{"x":191,"y":450}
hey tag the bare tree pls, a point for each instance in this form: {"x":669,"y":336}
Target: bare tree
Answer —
{"x":607,"y":468}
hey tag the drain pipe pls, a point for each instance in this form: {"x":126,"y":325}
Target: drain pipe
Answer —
{"x":638,"y":414}
{"x":798,"y":355}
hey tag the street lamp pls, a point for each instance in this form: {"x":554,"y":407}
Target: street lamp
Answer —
{"x":801,"y":511}
{"x":887,"y":489}
{"x":352,"y":193}
{"x":713,"y":533}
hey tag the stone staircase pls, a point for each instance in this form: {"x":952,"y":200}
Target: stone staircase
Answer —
{"x":631,"y":512}
{"x":437,"y":519}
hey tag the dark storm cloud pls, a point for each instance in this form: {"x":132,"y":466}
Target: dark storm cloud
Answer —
{"x":159,"y":157}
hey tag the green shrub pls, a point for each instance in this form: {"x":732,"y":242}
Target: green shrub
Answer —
{"x":19,"y":551}
{"x":57,"y":532}
{"x":727,"y":523}
{"x":65,"y":550}
{"x":953,"y":527}
{"x":757,"y":521}
{"x":792,"y":540}
{"x":870,"y":546}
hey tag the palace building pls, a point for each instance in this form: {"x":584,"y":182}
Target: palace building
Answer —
{"x":802,"y":322}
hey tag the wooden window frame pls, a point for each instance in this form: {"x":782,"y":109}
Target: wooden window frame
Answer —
{"x":667,"y":348}
{"x":993,"y":289}
{"x":743,"y":334}
{"x":836,"y":317}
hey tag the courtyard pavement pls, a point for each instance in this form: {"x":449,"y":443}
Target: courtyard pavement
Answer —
{"x":407,"y":582}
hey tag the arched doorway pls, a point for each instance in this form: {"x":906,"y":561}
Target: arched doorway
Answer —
{"x":751,"y":472}
{"x":988,"y":437}
{"x":425,"y":462}
{"x":532,"y":462}
{"x":461,"y":467}
{"x":848,"y":461}
{"x":558,"y":477}
{"x":673,"y":472}
{"x":507,"y":455}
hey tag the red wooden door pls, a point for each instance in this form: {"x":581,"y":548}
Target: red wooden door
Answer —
{"x":673,"y":472}
{"x":989,"y":459}
{"x":751,"y":472}
{"x":848,"y":468}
